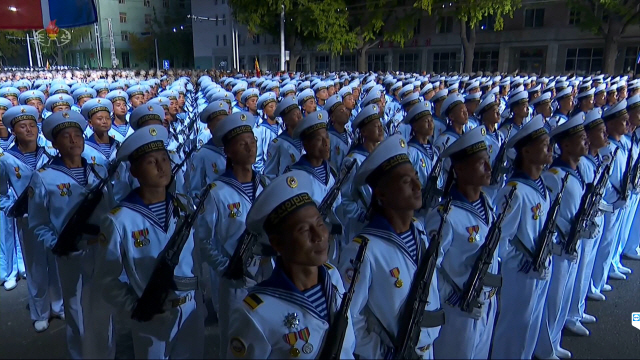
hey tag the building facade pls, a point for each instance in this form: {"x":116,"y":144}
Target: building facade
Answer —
{"x":543,"y":36}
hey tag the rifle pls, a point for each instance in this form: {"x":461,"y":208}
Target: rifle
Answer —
{"x":332,"y":194}
{"x":626,"y":176}
{"x":21,"y":206}
{"x":338,"y":328}
{"x":545,"y":239}
{"x":499,"y":168}
{"x":414,"y":308}
{"x":78,"y":224}
{"x":431,"y":193}
{"x":588,"y":208}
{"x":635,"y":173}
{"x":162,"y":281}
{"x":474,"y":284}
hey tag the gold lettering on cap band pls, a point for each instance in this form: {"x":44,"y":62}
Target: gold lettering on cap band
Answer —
{"x":146,"y":148}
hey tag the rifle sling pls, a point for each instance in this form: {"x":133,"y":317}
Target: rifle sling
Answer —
{"x":183,"y":283}
{"x":433,"y":318}
{"x":517,"y":243}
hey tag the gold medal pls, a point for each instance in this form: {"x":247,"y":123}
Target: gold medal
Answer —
{"x":294,"y":352}
{"x":398,"y":283}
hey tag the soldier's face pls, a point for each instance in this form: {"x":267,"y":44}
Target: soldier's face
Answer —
{"x":475,"y":170}
{"x":60,"y":108}
{"x":292,"y":118}
{"x":545,"y":109}
{"x":349,"y":102}
{"x":181,"y":100}
{"x":269,"y":109}
{"x":13,"y":99}
{"x":36,"y":104}
{"x":521,"y":110}
{"x":373,"y":131}
{"x":306,"y":238}
{"x":340,"y":115}
{"x":317,"y":145}
{"x":423,"y":126}
{"x":173,"y":107}
{"x":82,"y":101}
{"x":69,"y":142}
{"x":587,"y":103}
{"x":401,"y":189}
{"x":252,"y":103}
{"x":119,"y":108}
{"x":136,"y":100}
{"x":492,"y":115}
{"x":539,"y":152}
{"x":242,"y":149}
{"x":153,"y":169}
{"x":634,"y":117}
{"x":459,"y":114}
{"x":100,"y":122}
{"x":309,"y":106}
{"x":618,"y":126}
{"x":597,"y":137}
{"x":472,"y":106}
{"x":103,"y":94}
{"x":331,"y":90}
{"x":26,"y":131}
{"x":577,"y":144}
{"x":323,"y":94}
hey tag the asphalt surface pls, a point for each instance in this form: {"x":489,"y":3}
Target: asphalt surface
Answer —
{"x":612,"y":337}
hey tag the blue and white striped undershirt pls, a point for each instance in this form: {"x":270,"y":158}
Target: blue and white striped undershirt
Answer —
{"x":4,"y":142}
{"x":410,"y":242}
{"x":273,"y":127}
{"x":298,"y":144}
{"x":321,"y":171}
{"x":80,"y":175}
{"x":540,"y":185}
{"x":479,"y":206}
{"x":31,"y":159}
{"x":121,"y":129}
{"x":106,"y":149}
{"x":344,"y":136}
{"x":315,"y":295}
{"x":598,"y":161}
{"x":429,"y":150}
{"x":248,"y":189}
{"x":160,"y":211}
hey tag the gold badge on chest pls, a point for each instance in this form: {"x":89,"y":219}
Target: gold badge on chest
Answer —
{"x":17,"y":170}
{"x":537,"y":211}
{"x":291,"y":322}
{"x":234,"y":210}
{"x":293,"y":158}
{"x":215,"y":168}
{"x":395,"y":273}
{"x":140,"y":238}
{"x":65,"y":189}
{"x":473,"y":233}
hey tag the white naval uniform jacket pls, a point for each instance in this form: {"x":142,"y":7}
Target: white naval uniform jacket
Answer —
{"x":463,"y":234}
{"x":378,"y":300}
{"x":590,"y":168}
{"x":439,"y":126}
{"x":617,"y":168}
{"x":524,"y":221}
{"x":57,"y":194}
{"x":494,"y":141}
{"x":15,"y":174}
{"x":339,"y":147}
{"x":133,"y":238}
{"x":275,"y":308}
{"x":94,"y":155}
{"x":281,"y":153}
{"x":264,"y":134}
{"x":422,"y":162}
{"x":355,"y":200}
{"x":223,"y":222}
{"x":205,"y":166}
{"x":448,"y":137}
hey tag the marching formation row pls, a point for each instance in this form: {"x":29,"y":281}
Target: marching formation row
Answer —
{"x":340,"y":216}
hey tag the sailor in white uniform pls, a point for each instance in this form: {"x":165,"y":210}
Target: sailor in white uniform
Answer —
{"x":134,"y":234}
{"x":455,"y":112}
{"x":55,"y":193}
{"x":592,"y":165}
{"x":524,"y":289}
{"x":210,"y":161}
{"x":16,"y":167}
{"x":58,"y":102}
{"x":397,"y":244}
{"x":288,"y":315}
{"x":420,"y":148}
{"x":121,"y":129}
{"x":285,"y":150}
{"x":572,"y":142}
{"x":487,"y":115}
{"x":340,"y":136}
{"x":440,"y":121}
{"x":465,"y":335}
{"x":268,"y":129}
{"x":631,"y":250}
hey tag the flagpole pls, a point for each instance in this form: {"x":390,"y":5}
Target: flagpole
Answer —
{"x":282,"y":53}
{"x":29,"y":51}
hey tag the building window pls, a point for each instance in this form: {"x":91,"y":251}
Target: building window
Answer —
{"x":301,"y":64}
{"x":147,"y":19}
{"x":124,"y":35}
{"x":322,"y":63}
{"x":584,"y":61}
{"x":574,"y":17}
{"x":631,"y":59}
{"x":408,"y":62}
{"x":416,"y":29}
{"x":217,"y":40}
{"x":147,"y":3}
{"x":181,"y":4}
{"x":375,"y":62}
{"x":532,"y":60}
{"x":123,"y":17}
{"x":445,"y":24}
{"x":224,"y":40}
{"x":533,"y":18}
{"x":487,"y":23}
{"x":165,"y":4}
{"x":446,"y":62}
{"x":224,"y":19}
{"x":126,"y":63}
{"x":256,"y":39}
{"x":485,"y":61}
{"x":121,"y":2}
{"x":348,"y":62}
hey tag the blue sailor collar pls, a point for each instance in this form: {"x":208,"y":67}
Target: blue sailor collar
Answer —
{"x":305,"y":165}
{"x":413,"y":142}
{"x":211,"y":146}
{"x":560,"y":115}
{"x":527,"y":180}
{"x":273,"y":127}
{"x":284,"y":135}
{"x":617,"y":143}
{"x":15,"y":151}
{"x":451,"y":131}
{"x":58,"y":164}
{"x":92,"y":140}
{"x":359,"y":149}
{"x":462,"y":202}
{"x":230,"y":179}
{"x":280,"y":286}
{"x":559,"y":163}
{"x":339,"y":135}
{"x":380,"y":227}
{"x":438,"y":118}
{"x":134,"y":202}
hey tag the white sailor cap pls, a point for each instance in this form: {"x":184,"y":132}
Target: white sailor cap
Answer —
{"x":223,"y":95}
{"x":96,"y":105}
{"x":267,"y":98}
{"x":288,"y":89}
{"x":544,"y":98}
{"x":117,"y":95}
{"x":633,"y":102}
{"x":5,"y":104}
{"x":142,"y":142}
{"x":319,"y":86}
{"x":303,"y":86}
{"x":453,"y":88}
{"x":470,"y":143}
{"x":170,"y":94}
{"x":144,"y":113}
{"x":390,"y":153}
{"x":215,"y":109}
{"x":233,"y":125}
{"x":407,"y":90}
{"x":29,"y":95}
{"x":374,"y":96}
{"x":593,"y":119}
{"x":633,"y":84}
{"x":486,"y":104}
{"x":612,"y":88}
{"x":473,"y":85}
{"x":569,"y":127}
{"x":135,"y":90}
{"x":251,"y":92}
{"x":60,"y":99}
{"x":160,"y":101}
{"x":61,"y":120}
{"x":600,"y":88}
{"x":240,"y":86}
{"x":59,"y":89}
{"x":418,"y":112}
{"x":451,"y":102}
{"x":285,"y":195}
{"x":561,"y":85}
{"x":529,"y":132}
{"x":440,"y":95}
{"x":426,"y":89}
{"x":366,"y":115}
{"x":305,"y":95}
{"x":9,"y":91}
{"x":345,"y":91}
{"x":587,"y":93}
{"x":563,"y":94}
{"x":19,"y":113}
{"x":332,"y":103}
{"x":84,"y":92}
{"x":472,"y":97}
{"x":287,"y":104}
{"x":535,"y":89}
{"x":396,"y":85}
{"x":367,"y":86}
{"x":506,"y":81}
{"x":410,"y":99}
{"x":314,"y":121}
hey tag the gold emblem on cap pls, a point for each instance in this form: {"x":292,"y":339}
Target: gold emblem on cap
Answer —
{"x":221,"y":104}
{"x":99,"y":101}
{"x":65,"y":115}
{"x":243,"y":117}
{"x":60,"y":97}
{"x":23,"y":110}
{"x":483,"y":131}
{"x":292,"y":182}
{"x":375,"y":108}
{"x":402,"y":143}
{"x":153,"y":131}
{"x":319,"y":116}
{"x":150,"y":108}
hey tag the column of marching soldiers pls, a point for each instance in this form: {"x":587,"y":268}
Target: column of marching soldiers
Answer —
{"x":340,"y":215}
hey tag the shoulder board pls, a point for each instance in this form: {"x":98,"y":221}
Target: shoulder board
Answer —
{"x":42,"y":169}
{"x":357,"y":240}
{"x":115,"y":210}
{"x":275,"y":140}
{"x":1,"y":154}
{"x":253,"y":301}
{"x":414,"y":219}
{"x":328,"y":266}
{"x":212,"y":185}
{"x":554,"y":171}
{"x":172,"y":152}
{"x":512,"y":184}
{"x":351,"y":155}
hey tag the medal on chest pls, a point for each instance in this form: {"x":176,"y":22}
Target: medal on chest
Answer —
{"x":140,"y":238}
{"x":537,"y":211}
{"x":17,"y":170}
{"x":292,"y":322}
{"x":215,"y":168}
{"x":234,"y":210}
{"x":65,"y":189}
{"x":473,"y":233}
{"x":395,"y":273}
{"x":293,"y":158}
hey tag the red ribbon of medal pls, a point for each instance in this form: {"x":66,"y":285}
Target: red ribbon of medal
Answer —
{"x":395,"y":272}
{"x":291,"y":339}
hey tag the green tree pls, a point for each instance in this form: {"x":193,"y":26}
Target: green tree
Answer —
{"x":608,"y":19}
{"x":55,"y":51}
{"x":11,"y":48}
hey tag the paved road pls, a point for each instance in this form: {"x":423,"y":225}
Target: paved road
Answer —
{"x":611,"y":337}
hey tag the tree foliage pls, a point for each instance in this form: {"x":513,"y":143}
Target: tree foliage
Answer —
{"x":11,"y":48}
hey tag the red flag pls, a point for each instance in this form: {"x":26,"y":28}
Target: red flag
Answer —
{"x":37,"y":14}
